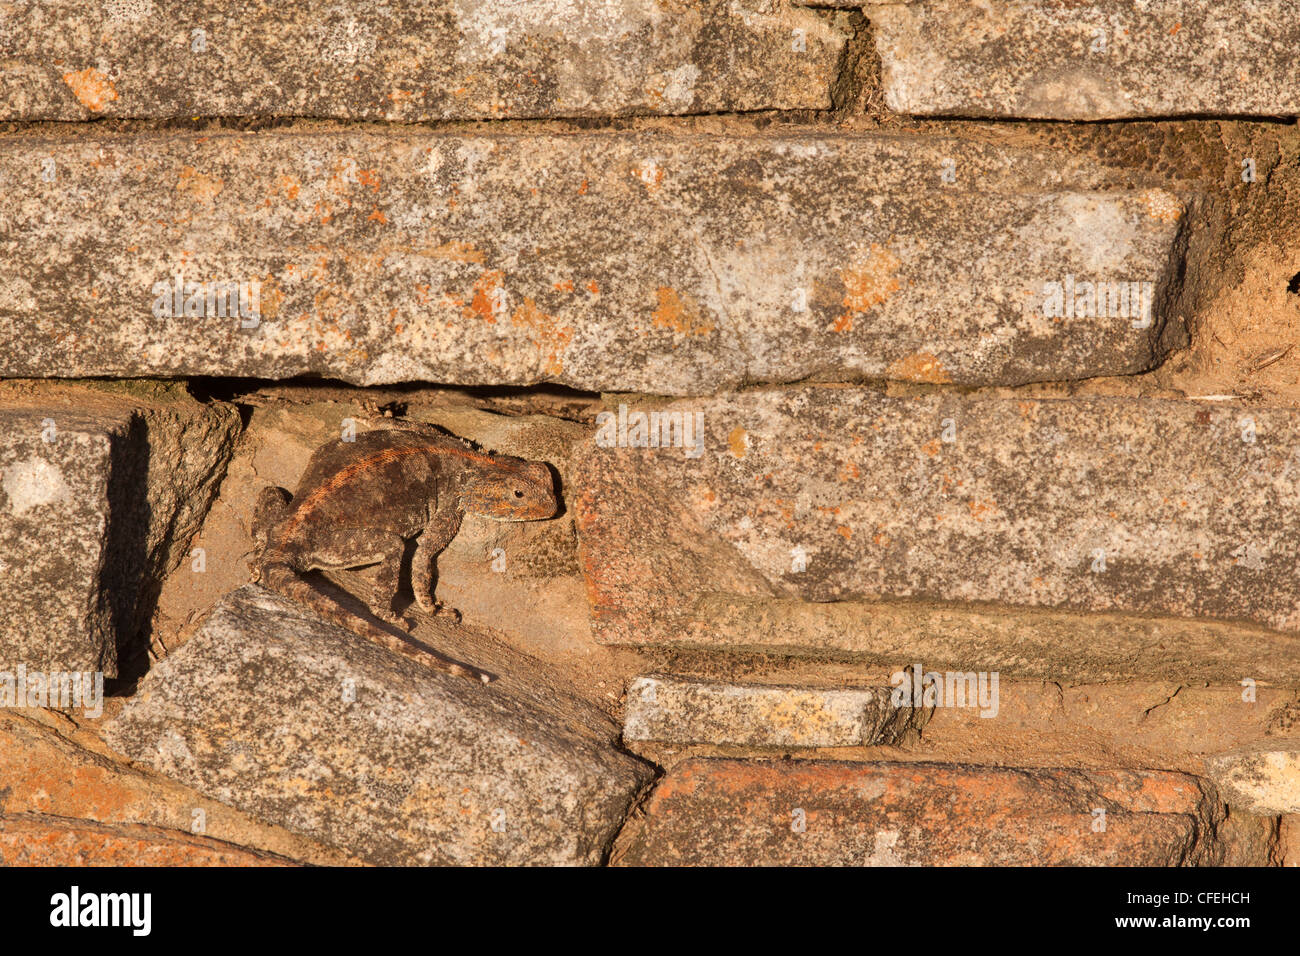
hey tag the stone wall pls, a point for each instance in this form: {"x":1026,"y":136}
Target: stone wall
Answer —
{"x":918,"y":380}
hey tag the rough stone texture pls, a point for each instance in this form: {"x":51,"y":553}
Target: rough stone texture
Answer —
{"x":1028,"y":642}
{"x":673,"y":264}
{"x":1104,"y":59}
{"x":1171,"y":725}
{"x":1288,"y":849}
{"x":1249,"y":840}
{"x":1097,"y":504}
{"x":412,"y":61}
{"x":39,"y":840}
{"x":415,"y":770}
{"x":743,"y":813}
{"x":99,"y":493}
{"x":667,"y":709}
{"x":51,"y":768}
{"x":1263,"y":778}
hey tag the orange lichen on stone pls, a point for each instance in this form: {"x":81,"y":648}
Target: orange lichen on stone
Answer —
{"x":679,"y":313}
{"x":738,"y":442}
{"x":871,"y":280}
{"x":920,"y":367}
{"x":270,"y":297}
{"x":488,"y":292}
{"x":550,"y":338}
{"x":201,"y":187}
{"x":289,"y":185}
{"x":651,"y":175}
{"x":92,"y":88}
{"x":455,"y":251}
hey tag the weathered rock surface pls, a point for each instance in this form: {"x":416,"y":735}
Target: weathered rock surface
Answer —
{"x":672,"y":264}
{"x":307,"y":726}
{"x":1170,"y":725}
{"x":51,"y":769}
{"x":412,"y":61}
{"x":1263,"y":778}
{"x":1091,"y":60}
{"x":1288,"y":848}
{"x":1051,"y":644}
{"x":39,"y":840}
{"x":792,"y":813}
{"x":99,"y":494}
{"x":668,"y":709}
{"x":1143,"y":506}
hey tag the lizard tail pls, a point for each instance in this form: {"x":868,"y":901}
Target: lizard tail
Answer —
{"x":282,"y":578}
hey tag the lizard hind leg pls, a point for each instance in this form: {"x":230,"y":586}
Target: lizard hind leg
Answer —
{"x":335,"y":548}
{"x":271,"y":508}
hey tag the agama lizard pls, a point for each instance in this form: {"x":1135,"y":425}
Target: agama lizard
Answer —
{"x":359,"y":502}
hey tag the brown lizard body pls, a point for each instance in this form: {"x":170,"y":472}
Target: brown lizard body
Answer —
{"x":359,"y":502}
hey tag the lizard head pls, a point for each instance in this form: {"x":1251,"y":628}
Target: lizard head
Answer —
{"x":517,"y":490}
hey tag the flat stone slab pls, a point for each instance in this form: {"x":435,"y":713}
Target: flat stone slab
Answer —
{"x":98,"y":495}
{"x":1263,"y":778}
{"x":413,"y":61}
{"x":671,"y":264}
{"x":305,"y":725}
{"x":712,"y":812}
{"x":1104,"y":59}
{"x":1048,"y":643}
{"x":666,"y":709}
{"x":817,"y":495}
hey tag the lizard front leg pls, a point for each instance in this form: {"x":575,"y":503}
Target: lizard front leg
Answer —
{"x":437,"y":534}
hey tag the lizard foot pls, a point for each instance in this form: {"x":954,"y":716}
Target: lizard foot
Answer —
{"x":388,"y":616}
{"x":442,"y":610}
{"x":434,"y":608}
